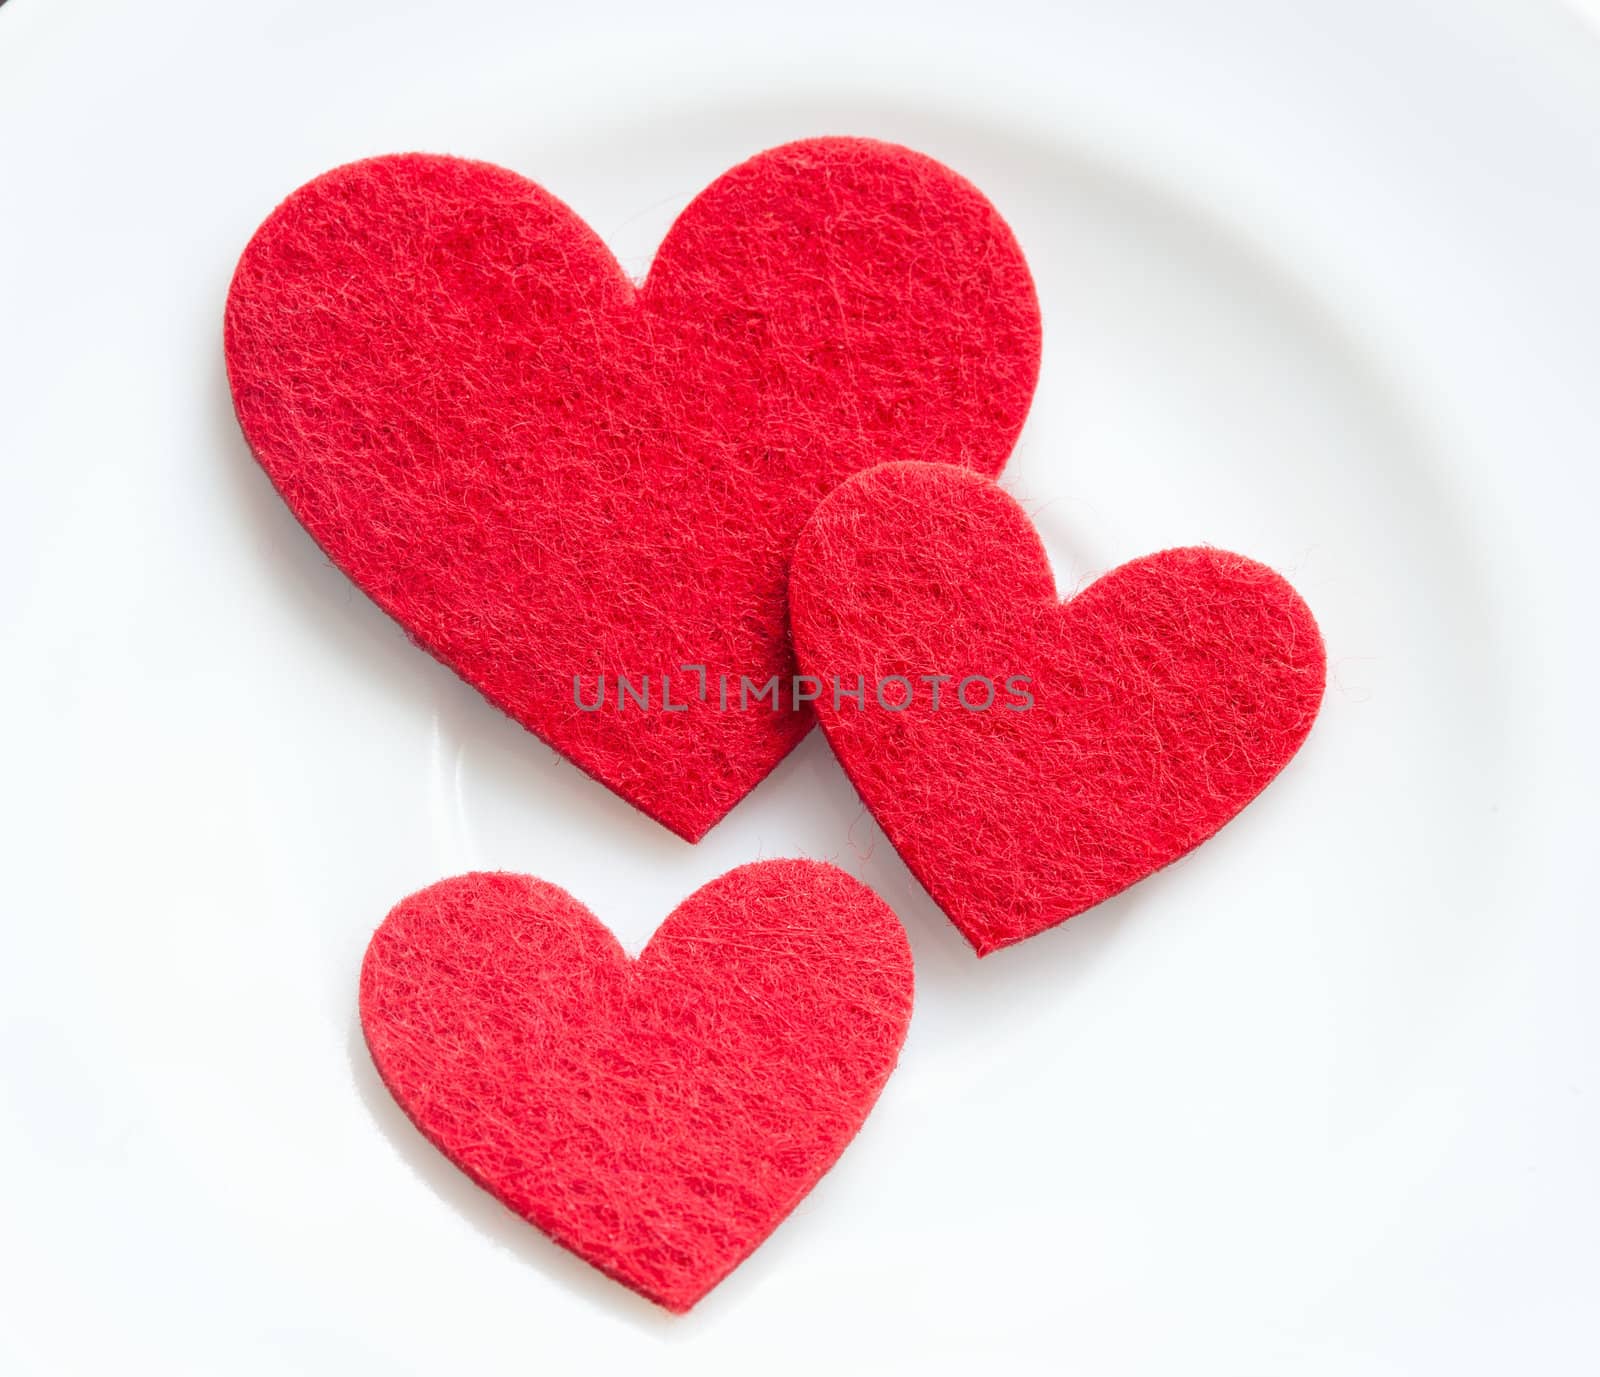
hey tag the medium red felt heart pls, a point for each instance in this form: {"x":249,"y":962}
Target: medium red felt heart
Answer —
{"x":546,"y":473}
{"x":658,"y":1117}
{"x":1125,"y":725}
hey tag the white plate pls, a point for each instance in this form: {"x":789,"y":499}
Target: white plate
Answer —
{"x":1321,"y":284}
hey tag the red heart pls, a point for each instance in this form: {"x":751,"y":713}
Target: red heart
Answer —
{"x":1164,"y":696}
{"x":542,"y":471}
{"x":658,"y":1117}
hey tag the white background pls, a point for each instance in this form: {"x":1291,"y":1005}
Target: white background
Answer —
{"x":1321,"y":283}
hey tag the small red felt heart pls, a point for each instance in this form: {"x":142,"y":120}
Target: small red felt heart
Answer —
{"x":1096,"y":741}
{"x":658,"y":1117}
{"x":547,"y":475}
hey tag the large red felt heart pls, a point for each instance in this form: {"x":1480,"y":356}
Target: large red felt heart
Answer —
{"x":1075,"y":747}
{"x":548,"y":475}
{"x":658,"y":1117}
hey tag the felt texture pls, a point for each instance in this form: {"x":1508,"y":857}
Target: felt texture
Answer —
{"x":1165,"y":695}
{"x":542,"y":471}
{"x":658,"y":1116}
